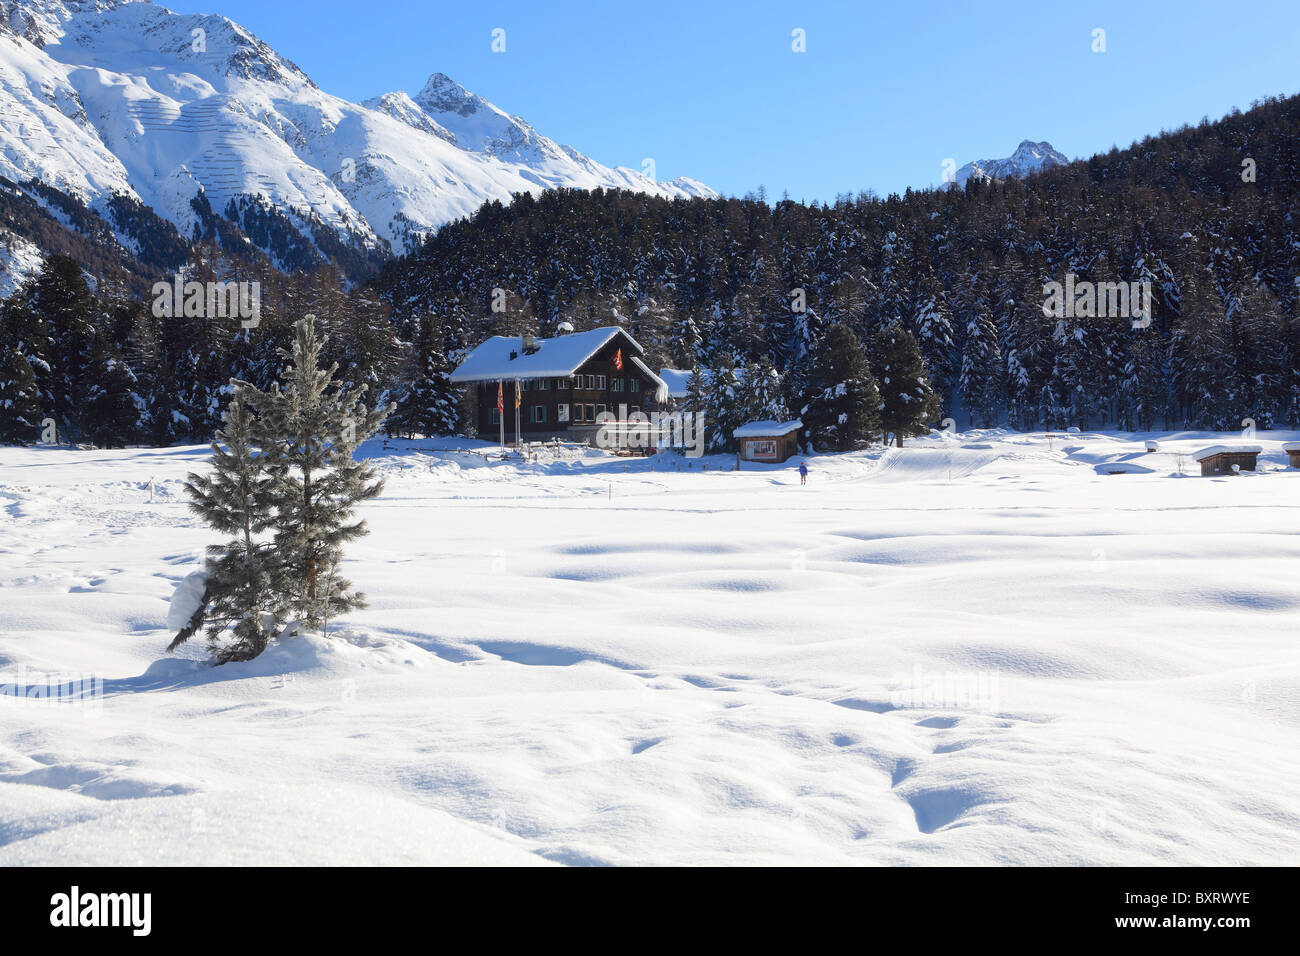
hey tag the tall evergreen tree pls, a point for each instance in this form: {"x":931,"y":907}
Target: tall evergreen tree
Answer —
{"x":980,"y":369}
{"x":20,"y":399}
{"x":843,"y":406}
{"x":431,"y":404}
{"x":908,"y":403}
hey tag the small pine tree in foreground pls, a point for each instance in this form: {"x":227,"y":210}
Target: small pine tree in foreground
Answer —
{"x":283,"y":464}
{"x":240,"y":595}
{"x":308,"y":428}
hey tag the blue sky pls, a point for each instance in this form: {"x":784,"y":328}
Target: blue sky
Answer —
{"x":883,"y":95}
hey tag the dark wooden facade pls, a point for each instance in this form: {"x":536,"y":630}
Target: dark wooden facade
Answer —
{"x":567,"y":407}
{"x":1223,"y":462}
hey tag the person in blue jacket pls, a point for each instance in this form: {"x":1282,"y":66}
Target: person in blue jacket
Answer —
{"x":803,"y":472}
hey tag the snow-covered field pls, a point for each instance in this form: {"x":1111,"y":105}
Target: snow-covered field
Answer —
{"x":979,"y":649}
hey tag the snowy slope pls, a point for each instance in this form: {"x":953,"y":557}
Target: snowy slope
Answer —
{"x":1029,"y":157}
{"x":978,"y":649}
{"x":105,"y":95}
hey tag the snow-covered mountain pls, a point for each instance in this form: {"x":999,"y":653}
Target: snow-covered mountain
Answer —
{"x":1029,"y":157}
{"x":122,"y":96}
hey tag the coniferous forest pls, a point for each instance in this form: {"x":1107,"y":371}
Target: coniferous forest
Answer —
{"x":751,"y":290}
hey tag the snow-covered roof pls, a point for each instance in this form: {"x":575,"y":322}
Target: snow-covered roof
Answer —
{"x":677,"y":379}
{"x":1291,"y":446}
{"x":661,"y":387}
{"x":550,"y":358}
{"x":1213,"y":450}
{"x":767,"y":429}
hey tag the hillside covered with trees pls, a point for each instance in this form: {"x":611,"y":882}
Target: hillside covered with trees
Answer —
{"x":772,"y":299}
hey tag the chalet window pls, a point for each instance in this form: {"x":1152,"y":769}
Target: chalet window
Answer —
{"x":495,"y":418}
{"x":591,"y":413}
{"x":539,"y":414}
{"x":590,"y":380}
{"x":636,"y":385}
{"x":566,"y":382}
{"x":543,"y":385}
{"x":600,"y":410}
{"x":563,"y":415}
{"x":600,"y":382}
{"x":616,"y":385}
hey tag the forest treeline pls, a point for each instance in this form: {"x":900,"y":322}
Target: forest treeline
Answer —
{"x":1206,"y":215}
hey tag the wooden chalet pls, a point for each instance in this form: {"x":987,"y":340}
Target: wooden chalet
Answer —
{"x":1292,"y":449}
{"x":1227,"y":459}
{"x":566,"y":385}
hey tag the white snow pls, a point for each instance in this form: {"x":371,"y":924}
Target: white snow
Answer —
{"x":1213,"y":450}
{"x":502,"y":357}
{"x":767,"y":429}
{"x":1029,"y":157}
{"x":677,"y":380}
{"x":974,"y":649}
{"x":131,"y":97}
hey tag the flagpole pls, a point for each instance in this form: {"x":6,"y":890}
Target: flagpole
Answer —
{"x":501,"y":415}
{"x":518,"y":442}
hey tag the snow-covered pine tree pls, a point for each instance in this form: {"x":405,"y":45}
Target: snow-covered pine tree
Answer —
{"x":761,"y":392}
{"x":309,"y":428}
{"x":20,"y":398}
{"x":843,"y":411}
{"x":241,"y":606}
{"x":110,"y":393}
{"x":1201,"y":358}
{"x":724,"y":410}
{"x":908,"y":403}
{"x":431,"y":404}
{"x":981,"y":364}
{"x":61,"y":309}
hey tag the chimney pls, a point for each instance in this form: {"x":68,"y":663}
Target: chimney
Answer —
{"x":528,"y":344}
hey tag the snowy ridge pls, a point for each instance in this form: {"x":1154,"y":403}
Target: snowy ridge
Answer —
{"x":1029,"y":157}
{"x":107,"y":96}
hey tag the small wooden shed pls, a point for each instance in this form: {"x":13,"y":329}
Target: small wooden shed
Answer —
{"x":768,"y":441}
{"x":1292,"y":449}
{"x":1221,"y":459}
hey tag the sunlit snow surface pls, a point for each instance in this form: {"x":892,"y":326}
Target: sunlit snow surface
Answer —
{"x":979,"y":649}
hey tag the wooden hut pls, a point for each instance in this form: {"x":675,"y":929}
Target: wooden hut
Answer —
{"x":1227,"y":459}
{"x":1292,"y":449}
{"x":768,"y":441}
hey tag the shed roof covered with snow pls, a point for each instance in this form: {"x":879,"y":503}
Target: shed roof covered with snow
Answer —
{"x":678,"y":379}
{"x":504,"y":357}
{"x":767,"y":429}
{"x":1215,"y":450}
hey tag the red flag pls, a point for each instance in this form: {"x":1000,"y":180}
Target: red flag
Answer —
{"x":501,"y":402}
{"x":618,"y":360}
